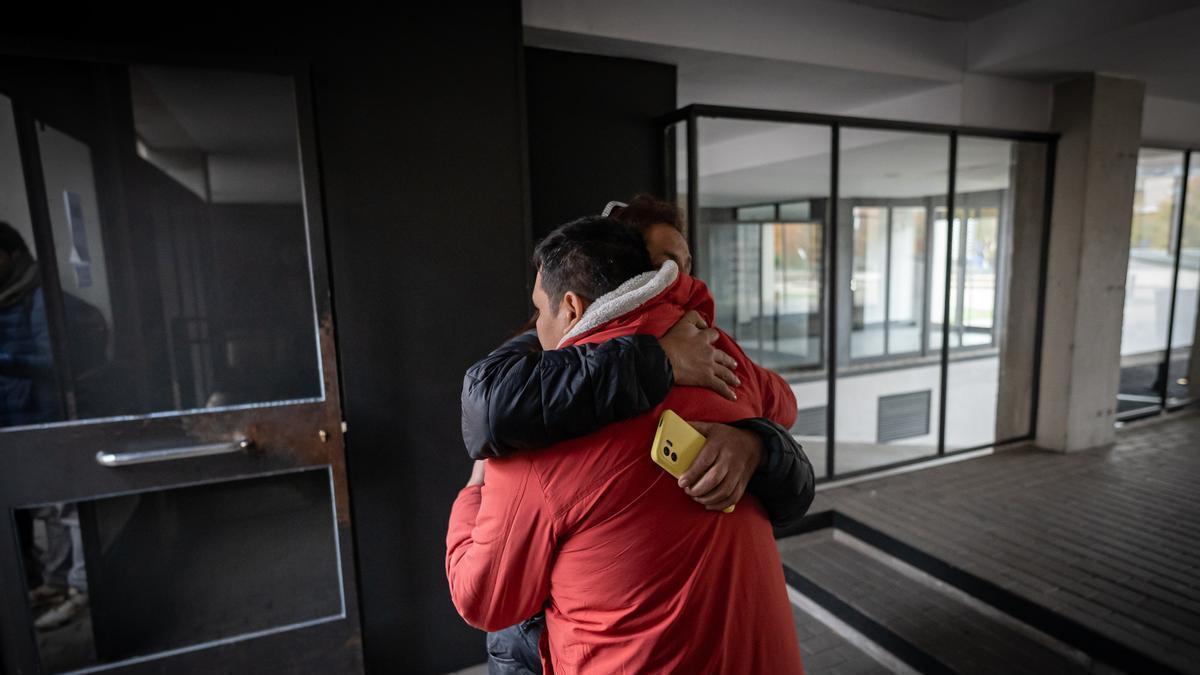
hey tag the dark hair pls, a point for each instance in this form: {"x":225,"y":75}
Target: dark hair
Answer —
{"x":11,"y":240}
{"x":589,"y":257}
{"x":645,"y":211}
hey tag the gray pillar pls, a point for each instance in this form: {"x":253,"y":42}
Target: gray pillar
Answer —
{"x":1021,"y":249}
{"x":1100,"y":120}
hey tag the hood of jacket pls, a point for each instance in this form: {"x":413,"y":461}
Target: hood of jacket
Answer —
{"x":650,"y":303}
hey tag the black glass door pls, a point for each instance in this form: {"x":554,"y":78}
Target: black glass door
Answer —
{"x":171,"y":445}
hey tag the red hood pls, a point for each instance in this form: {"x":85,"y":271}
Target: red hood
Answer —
{"x":657,"y":314}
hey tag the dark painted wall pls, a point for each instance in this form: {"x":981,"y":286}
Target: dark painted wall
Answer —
{"x":421,"y":144}
{"x":592,"y":131}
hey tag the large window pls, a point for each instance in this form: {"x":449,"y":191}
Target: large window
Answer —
{"x":905,"y":334}
{"x":1159,"y":326}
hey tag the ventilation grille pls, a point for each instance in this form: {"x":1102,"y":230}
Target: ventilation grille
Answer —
{"x":810,"y":422}
{"x":903,"y":416}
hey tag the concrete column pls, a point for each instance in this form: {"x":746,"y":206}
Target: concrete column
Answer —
{"x":1100,"y":120}
{"x":1021,"y":249}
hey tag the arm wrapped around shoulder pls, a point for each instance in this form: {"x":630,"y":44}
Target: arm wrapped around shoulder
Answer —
{"x":522,"y":397}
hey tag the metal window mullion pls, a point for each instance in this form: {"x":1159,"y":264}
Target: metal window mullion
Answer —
{"x":831,"y":293}
{"x":945,"y":370}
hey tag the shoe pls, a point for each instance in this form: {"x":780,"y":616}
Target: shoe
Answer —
{"x":64,"y":613}
{"x":46,"y":596}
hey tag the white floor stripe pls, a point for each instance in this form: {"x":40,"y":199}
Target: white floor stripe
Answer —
{"x":855,"y":638}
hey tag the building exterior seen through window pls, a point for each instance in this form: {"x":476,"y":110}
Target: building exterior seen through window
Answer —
{"x":1159,"y":323}
{"x":933,"y":319}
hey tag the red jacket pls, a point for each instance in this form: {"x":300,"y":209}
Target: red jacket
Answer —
{"x":634,"y":575}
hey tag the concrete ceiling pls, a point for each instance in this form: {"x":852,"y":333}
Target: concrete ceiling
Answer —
{"x":236,"y":129}
{"x":738,"y":80}
{"x":1155,"y":41}
{"x":815,"y":55}
{"x":981,"y":62}
{"x":943,"y":10}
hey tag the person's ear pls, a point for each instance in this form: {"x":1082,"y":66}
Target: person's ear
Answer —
{"x":574,"y":306}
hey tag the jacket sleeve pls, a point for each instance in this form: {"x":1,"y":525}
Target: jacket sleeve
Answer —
{"x":522,"y":397}
{"x":784,"y":482}
{"x":500,"y":546}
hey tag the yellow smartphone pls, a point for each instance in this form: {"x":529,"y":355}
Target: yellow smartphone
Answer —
{"x":676,"y":445}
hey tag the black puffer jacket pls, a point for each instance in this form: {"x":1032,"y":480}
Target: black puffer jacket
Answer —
{"x":521,"y":397}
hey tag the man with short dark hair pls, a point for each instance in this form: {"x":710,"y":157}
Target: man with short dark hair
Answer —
{"x":634,"y":575}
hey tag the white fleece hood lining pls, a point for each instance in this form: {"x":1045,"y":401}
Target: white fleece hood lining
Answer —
{"x":624,"y":299}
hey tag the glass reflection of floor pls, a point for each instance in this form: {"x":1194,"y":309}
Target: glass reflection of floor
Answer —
{"x":68,"y":647}
{"x":859,"y":456}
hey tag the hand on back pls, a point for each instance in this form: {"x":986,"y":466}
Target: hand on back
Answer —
{"x":694,"y":359}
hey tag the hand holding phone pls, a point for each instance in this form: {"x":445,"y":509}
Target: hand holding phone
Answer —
{"x":676,"y":444}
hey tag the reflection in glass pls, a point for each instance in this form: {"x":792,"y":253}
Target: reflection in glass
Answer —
{"x":28,"y":391}
{"x":1183,"y":370}
{"x":120,"y":577}
{"x":906,"y":279}
{"x":870,"y":227}
{"x":999,"y":206}
{"x":181,"y":276}
{"x":905,"y":266}
{"x":889,"y":182}
{"x":1149,"y":277}
{"x":760,"y":225}
{"x":675,"y":142}
{"x":763,"y":203}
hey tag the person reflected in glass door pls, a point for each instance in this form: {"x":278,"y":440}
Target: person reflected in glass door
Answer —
{"x":28,"y":394}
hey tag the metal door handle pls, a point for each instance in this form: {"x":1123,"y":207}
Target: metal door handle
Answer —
{"x":115,"y":459}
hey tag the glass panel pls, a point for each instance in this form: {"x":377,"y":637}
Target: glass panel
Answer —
{"x":134,"y":575}
{"x":1000,"y":199}
{"x":937,"y":281}
{"x":1148,"y":280}
{"x":677,"y":165}
{"x":867,"y":285}
{"x":766,"y":273}
{"x":906,"y":279}
{"x":886,"y":406}
{"x":181,"y":246}
{"x":14,"y":203}
{"x":1187,"y":294}
{"x":795,"y":211}
{"x":756,"y":213}
{"x":28,"y":392}
{"x":979,"y":273}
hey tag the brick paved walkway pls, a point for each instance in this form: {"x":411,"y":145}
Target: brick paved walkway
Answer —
{"x":824,"y":652}
{"x":1108,"y":538}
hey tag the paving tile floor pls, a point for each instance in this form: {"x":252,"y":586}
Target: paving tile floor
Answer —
{"x":1109,"y":538}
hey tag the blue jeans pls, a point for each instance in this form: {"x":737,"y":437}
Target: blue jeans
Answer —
{"x":514,"y":650}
